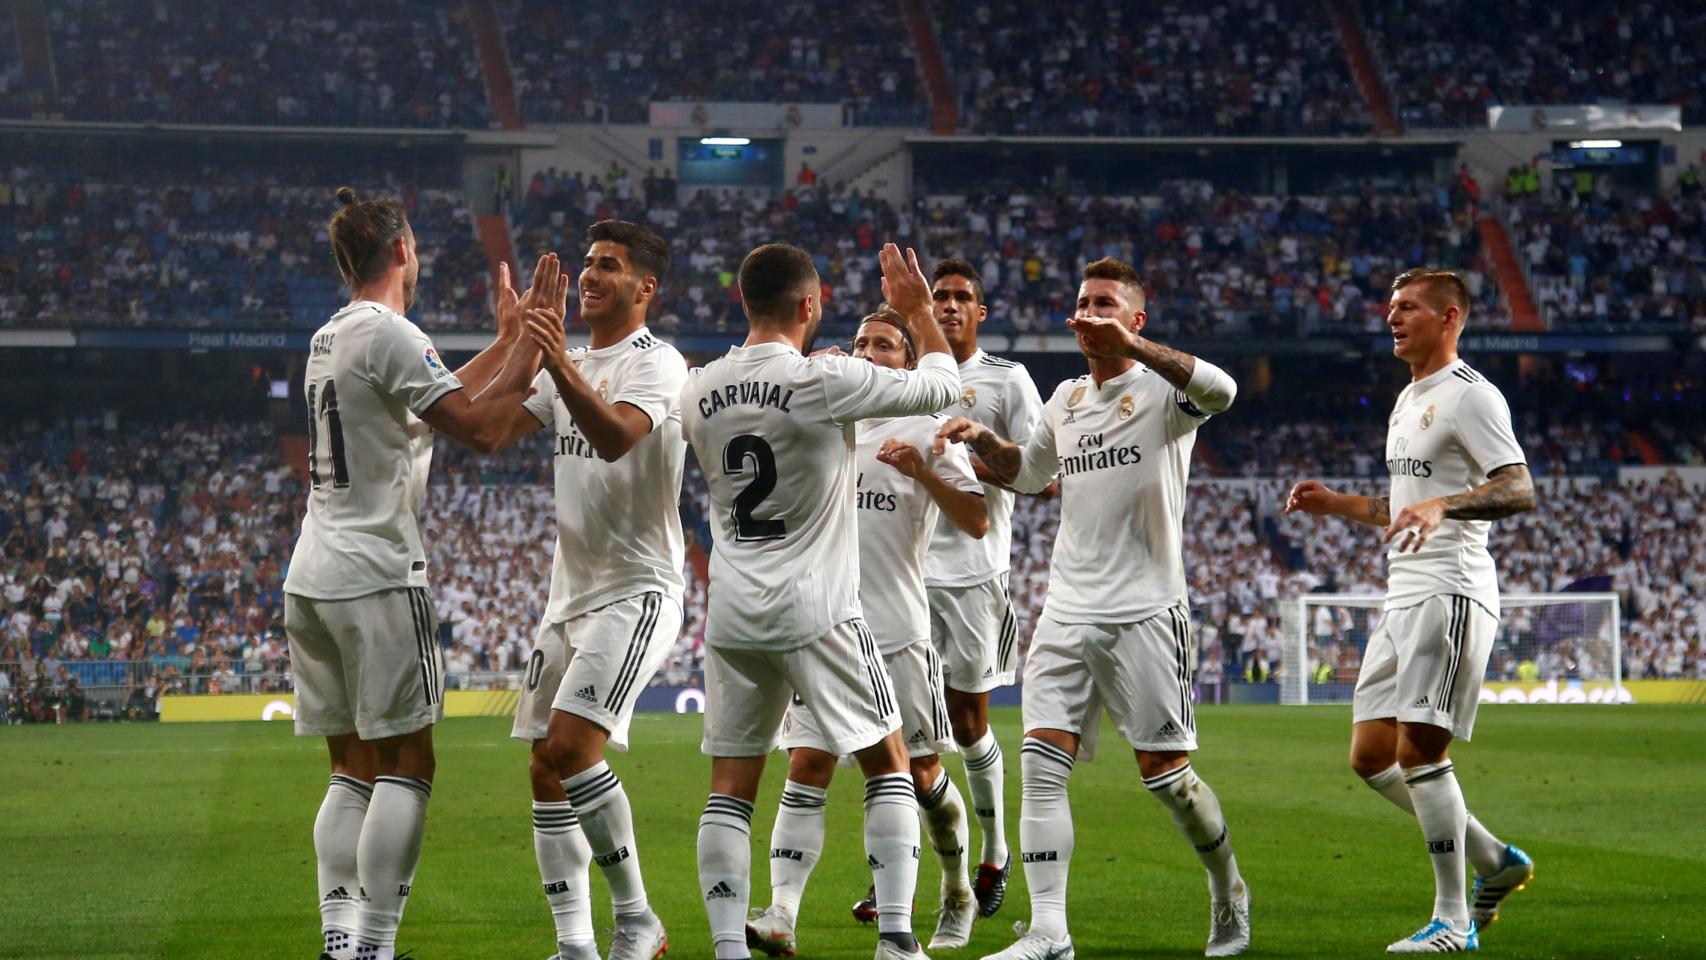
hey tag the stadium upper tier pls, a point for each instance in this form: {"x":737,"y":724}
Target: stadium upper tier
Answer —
{"x":1238,"y":68}
{"x":1446,"y":61}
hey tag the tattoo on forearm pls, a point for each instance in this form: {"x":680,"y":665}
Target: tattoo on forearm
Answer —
{"x":1174,"y":366}
{"x":1380,"y":509}
{"x":1509,"y":490}
{"x":1002,"y":459}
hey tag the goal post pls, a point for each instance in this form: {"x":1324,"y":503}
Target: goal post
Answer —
{"x":1563,"y":638}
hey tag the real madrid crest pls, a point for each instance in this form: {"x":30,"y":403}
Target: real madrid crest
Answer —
{"x":969,"y":398}
{"x":1077,"y":395}
{"x":1428,"y":417}
{"x":603,"y":387}
{"x":1128,"y":406}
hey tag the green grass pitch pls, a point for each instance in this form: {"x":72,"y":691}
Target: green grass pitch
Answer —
{"x":135,"y":841}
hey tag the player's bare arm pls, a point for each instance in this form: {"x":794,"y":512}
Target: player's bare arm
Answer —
{"x":1509,"y":490}
{"x":907,"y":290}
{"x":1109,"y":337}
{"x":611,"y":428}
{"x":1314,"y":497}
{"x":1000,"y":458}
{"x":966,"y":510}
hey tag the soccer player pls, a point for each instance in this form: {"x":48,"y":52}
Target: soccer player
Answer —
{"x":1115,"y":628}
{"x":971,"y":613}
{"x":901,"y":488}
{"x":774,"y":431}
{"x":616,"y":586}
{"x":369,"y":672}
{"x":1455,"y":466}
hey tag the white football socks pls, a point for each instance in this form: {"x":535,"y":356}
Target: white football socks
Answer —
{"x":1045,"y":833}
{"x":1439,"y":808}
{"x":945,"y":819}
{"x":725,"y":871}
{"x":891,"y":848}
{"x":1486,"y":852}
{"x":1196,"y":812}
{"x":796,"y":842}
{"x":337,"y":830}
{"x":602,"y":805}
{"x":386,"y":857}
{"x":563,"y":856}
{"x":984,"y":778}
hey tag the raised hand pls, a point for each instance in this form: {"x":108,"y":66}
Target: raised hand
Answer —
{"x":1103,"y":336}
{"x":905,"y":287}
{"x":545,"y":329}
{"x":508,"y":305}
{"x":1310,"y":496}
{"x":904,"y":457}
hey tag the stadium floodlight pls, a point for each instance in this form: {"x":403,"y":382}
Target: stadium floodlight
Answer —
{"x":1596,"y":144}
{"x":725,"y":141}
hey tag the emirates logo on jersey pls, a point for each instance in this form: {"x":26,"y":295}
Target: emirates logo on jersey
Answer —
{"x":1128,"y":406}
{"x":969,"y":398}
{"x":1428,"y":417}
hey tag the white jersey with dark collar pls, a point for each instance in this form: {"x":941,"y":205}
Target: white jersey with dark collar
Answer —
{"x":1123,"y":454}
{"x":618,"y":524}
{"x":1447,"y":432}
{"x":1000,"y":395}
{"x":773,"y":431}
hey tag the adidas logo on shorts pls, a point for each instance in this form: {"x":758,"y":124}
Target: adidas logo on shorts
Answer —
{"x":587,"y":693}
{"x":917,"y":737}
{"x":988,"y":672}
{"x":722,"y":891}
{"x":1421,"y":701}
{"x":1169,"y":730}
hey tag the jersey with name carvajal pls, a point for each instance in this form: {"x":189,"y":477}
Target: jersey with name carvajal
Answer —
{"x":1448,"y":431}
{"x":618,"y":524}
{"x":370,"y":375}
{"x":773,"y":431}
{"x":1122,"y":451}
{"x":897,"y":517}
{"x":1000,"y":395}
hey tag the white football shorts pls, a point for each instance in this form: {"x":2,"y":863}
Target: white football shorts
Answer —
{"x":370,"y":665}
{"x":1424,"y":664}
{"x":975,"y":634}
{"x":916,"y":672}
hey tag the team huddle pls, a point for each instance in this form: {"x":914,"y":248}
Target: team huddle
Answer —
{"x":858,"y":606}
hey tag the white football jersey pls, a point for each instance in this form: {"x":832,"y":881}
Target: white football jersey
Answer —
{"x":1123,"y":454}
{"x":897,"y":519}
{"x":1000,"y":395}
{"x":1446,"y":433}
{"x":773,"y":431}
{"x":618,"y":524}
{"x":370,"y":375}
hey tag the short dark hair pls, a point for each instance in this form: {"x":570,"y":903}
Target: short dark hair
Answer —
{"x":1442,"y":287}
{"x":1113,"y":268}
{"x":362,"y":233}
{"x":956,"y":267}
{"x":646,"y":250}
{"x":772,"y":275}
{"x":891,"y":316}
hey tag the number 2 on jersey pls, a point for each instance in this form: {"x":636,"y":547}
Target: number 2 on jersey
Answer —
{"x":327,"y":408}
{"x":735,"y":456}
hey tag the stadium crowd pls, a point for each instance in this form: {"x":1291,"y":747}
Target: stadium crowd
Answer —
{"x":315,"y":63}
{"x":1601,"y":257}
{"x":141,"y":559}
{"x":607,"y":64}
{"x":1240,"y":68}
{"x":1446,"y":61}
{"x":200,"y":245}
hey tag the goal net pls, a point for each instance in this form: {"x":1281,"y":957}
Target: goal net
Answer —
{"x":1569,"y":642}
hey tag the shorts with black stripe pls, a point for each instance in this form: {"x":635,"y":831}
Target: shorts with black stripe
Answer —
{"x":1424,"y":664}
{"x":1140,"y":672}
{"x":917,"y":675}
{"x":596,"y":664}
{"x":369,"y":665}
{"x":840,"y":676}
{"x":976,"y":635}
